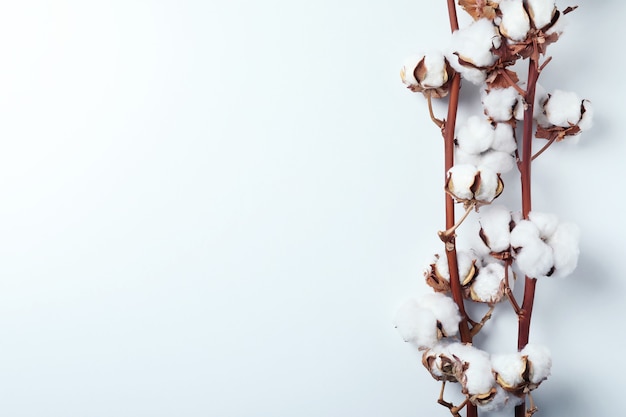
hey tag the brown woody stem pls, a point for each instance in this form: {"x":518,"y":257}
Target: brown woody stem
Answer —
{"x":438,"y":122}
{"x":542,"y":150}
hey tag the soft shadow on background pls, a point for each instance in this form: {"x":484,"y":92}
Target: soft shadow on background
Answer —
{"x":215,"y":208}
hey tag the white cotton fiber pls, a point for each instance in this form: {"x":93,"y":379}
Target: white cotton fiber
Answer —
{"x":563,"y":108}
{"x":445,"y":311}
{"x":495,"y":223}
{"x":465,"y":158}
{"x":546,"y":223}
{"x":501,"y":400}
{"x":416,"y":324}
{"x":503,"y":139}
{"x":436,"y":74}
{"x":564,"y":244}
{"x":477,"y":378}
{"x":509,"y":368}
{"x":499,"y":103}
{"x":535,"y":259}
{"x":541,"y":12}
{"x":460,"y":180}
{"x":476,"y":135}
{"x":515,"y":23}
{"x":474,"y":43}
{"x":524,"y":233}
{"x":541,"y":362}
{"x":489,"y":185}
{"x":488,"y":285}
{"x":500,"y":162}
{"x":586,"y":121}
{"x":465,"y":264}
{"x":407,"y":73}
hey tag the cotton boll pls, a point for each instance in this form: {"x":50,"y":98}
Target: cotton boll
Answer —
{"x":436,"y":74}
{"x":477,"y":378}
{"x":460,"y":181}
{"x":500,"y":162}
{"x":466,"y":262}
{"x":564,"y":244}
{"x":490,"y":185}
{"x":535,"y":259}
{"x":504,"y":140}
{"x":416,"y":324}
{"x":495,"y":222}
{"x":407,"y":72}
{"x":546,"y":223}
{"x":540,"y":360}
{"x":445,"y":311}
{"x":509,"y":369}
{"x":474,"y":43}
{"x":563,"y":108}
{"x":488,"y":286}
{"x":499,"y":103}
{"x":440,"y":369}
{"x":476,"y":135}
{"x":515,"y":23}
{"x":541,"y":12}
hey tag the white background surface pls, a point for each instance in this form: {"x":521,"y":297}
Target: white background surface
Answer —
{"x":214,"y":208}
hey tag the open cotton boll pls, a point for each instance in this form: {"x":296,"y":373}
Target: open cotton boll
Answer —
{"x":500,"y":162}
{"x":515,"y":23}
{"x":416,"y":324}
{"x":407,"y":72}
{"x":535,"y":259}
{"x":509,"y":369}
{"x":432,"y":360}
{"x":477,"y":378}
{"x":563,"y":108}
{"x":495,"y":223}
{"x":564,"y":244}
{"x":499,"y":103}
{"x":460,"y":180}
{"x":546,"y":222}
{"x":488,"y":286}
{"x":476,"y":135}
{"x":436,"y":74}
{"x":466,"y":261}
{"x":490,"y":185}
{"x":540,"y":360}
{"x":474,"y":43}
{"x":445,"y":311}
{"x":541,"y":12}
{"x":503,"y":139}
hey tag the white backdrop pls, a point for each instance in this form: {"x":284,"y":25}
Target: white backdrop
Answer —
{"x":214,"y":208}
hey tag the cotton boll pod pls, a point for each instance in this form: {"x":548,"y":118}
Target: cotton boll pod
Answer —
{"x":540,"y":363}
{"x":496,"y":224}
{"x":476,"y":135}
{"x":500,"y":103}
{"x":563,"y":108}
{"x":445,"y":311}
{"x":480,"y":9}
{"x":438,"y":361}
{"x":542,"y":12}
{"x":511,"y":371}
{"x":490,"y":284}
{"x":429,"y":74}
{"x":438,"y":275}
{"x":416,"y":324}
{"x":472,"y":46}
{"x":514,"y":23}
{"x":470,"y":184}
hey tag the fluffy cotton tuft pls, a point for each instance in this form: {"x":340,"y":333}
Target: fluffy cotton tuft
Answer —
{"x":460,"y":180}
{"x":532,"y":255}
{"x":563,"y":108}
{"x":500,"y":103}
{"x":504,"y":140}
{"x":416,"y":324}
{"x":564,"y":244}
{"x":436,"y":74}
{"x":476,"y":135}
{"x":509,"y":368}
{"x":488,"y":286}
{"x":540,"y":360}
{"x":477,"y":378}
{"x":515,"y":23}
{"x":546,"y":223}
{"x":490,"y":185}
{"x":495,"y":222}
{"x":500,"y":162}
{"x":473,"y":44}
{"x":445,"y":311}
{"x":541,"y":12}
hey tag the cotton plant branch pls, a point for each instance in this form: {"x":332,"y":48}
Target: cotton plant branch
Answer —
{"x":477,"y":153}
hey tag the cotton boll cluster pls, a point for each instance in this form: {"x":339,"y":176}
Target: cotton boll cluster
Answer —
{"x":471,"y":184}
{"x":472,"y":49}
{"x":480,"y":143}
{"x":425,"y":321}
{"x":521,"y":372}
{"x":542,"y":247}
{"x":438,"y":274}
{"x":429,"y":74}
